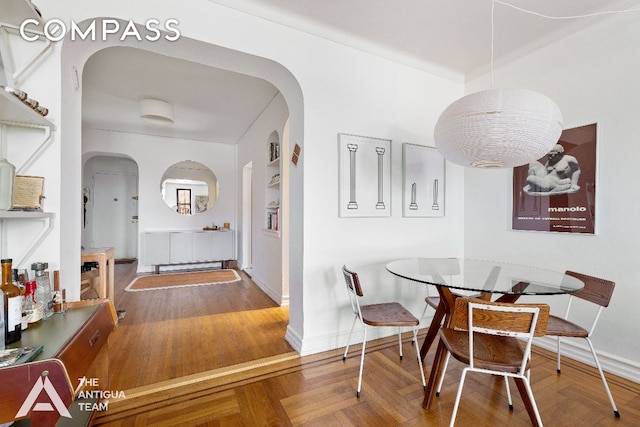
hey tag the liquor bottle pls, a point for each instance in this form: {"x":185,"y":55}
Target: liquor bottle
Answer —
{"x":3,"y":333}
{"x":43,"y":295}
{"x":32,"y":309}
{"x":12,"y":305}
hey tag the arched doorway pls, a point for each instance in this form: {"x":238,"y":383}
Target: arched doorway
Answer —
{"x":74,"y":56}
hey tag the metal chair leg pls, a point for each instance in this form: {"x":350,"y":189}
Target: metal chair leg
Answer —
{"x":364,"y":344}
{"x":415,"y":337}
{"x":346,"y":350}
{"x":604,"y":380}
{"x":457,"y":403}
{"x":444,"y":371}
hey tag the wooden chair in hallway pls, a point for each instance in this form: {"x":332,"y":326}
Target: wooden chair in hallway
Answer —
{"x":376,"y":315}
{"x":597,"y":291}
{"x":487,"y":337}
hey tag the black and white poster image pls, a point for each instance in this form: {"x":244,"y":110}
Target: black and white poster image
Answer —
{"x":364,"y":176}
{"x":557,"y":192}
{"x":423,"y":181}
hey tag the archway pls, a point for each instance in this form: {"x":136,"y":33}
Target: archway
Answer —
{"x":74,"y":56}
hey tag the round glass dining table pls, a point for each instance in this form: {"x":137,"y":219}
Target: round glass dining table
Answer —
{"x":482,"y":279}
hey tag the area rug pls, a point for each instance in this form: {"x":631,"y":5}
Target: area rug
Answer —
{"x":178,"y":280}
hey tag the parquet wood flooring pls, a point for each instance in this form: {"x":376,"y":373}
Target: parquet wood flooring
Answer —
{"x":320,"y":390}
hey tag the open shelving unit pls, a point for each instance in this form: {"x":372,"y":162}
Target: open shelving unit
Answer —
{"x":14,"y":13}
{"x":272,"y":190}
{"x":14,"y":112}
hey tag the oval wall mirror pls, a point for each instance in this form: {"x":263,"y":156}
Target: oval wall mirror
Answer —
{"x":189,"y":187}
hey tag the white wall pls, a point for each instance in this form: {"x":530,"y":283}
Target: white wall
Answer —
{"x":153,"y":156}
{"x":593,"y":77}
{"x":347,"y":91}
{"x":267,"y":246}
{"x":334,"y":89}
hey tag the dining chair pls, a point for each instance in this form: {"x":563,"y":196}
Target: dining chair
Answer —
{"x":450,"y":269}
{"x":489,"y":283}
{"x":28,"y":386}
{"x":495,"y":338}
{"x":597,"y":291}
{"x":376,"y":315}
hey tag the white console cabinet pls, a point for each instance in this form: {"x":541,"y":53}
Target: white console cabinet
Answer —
{"x":187,"y":247}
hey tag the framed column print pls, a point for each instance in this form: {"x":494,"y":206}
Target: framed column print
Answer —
{"x":364,"y":176}
{"x":423,"y":181}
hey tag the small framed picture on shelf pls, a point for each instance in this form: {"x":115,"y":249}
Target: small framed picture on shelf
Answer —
{"x":27,"y":193}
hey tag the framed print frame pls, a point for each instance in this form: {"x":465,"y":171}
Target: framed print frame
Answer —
{"x":423,"y":181}
{"x":201,"y":203}
{"x":557,"y":193}
{"x":364,"y":176}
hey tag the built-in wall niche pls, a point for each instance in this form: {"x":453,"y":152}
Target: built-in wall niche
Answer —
{"x":189,"y":187}
{"x":272,"y":189}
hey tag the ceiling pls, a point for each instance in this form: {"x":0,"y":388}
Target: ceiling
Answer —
{"x":452,"y":38}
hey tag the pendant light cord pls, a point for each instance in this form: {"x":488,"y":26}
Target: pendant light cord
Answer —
{"x":493,"y":33}
{"x":542,"y":15}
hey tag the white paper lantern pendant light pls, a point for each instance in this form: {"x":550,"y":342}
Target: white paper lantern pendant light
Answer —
{"x":498,"y":128}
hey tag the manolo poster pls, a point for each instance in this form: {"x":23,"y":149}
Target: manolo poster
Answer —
{"x":557,"y":192}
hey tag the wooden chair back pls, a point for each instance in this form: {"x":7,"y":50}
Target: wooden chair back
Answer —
{"x":500,"y":320}
{"x":596,"y":290}
{"x":48,"y":378}
{"x":352,"y":280}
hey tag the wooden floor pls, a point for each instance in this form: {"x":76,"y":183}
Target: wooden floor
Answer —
{"x":185,"y":380}
{"x":170,"y":333}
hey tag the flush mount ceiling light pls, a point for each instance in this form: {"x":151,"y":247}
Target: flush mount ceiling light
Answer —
{"x":156,"y":110}
{"x":498,"y":128}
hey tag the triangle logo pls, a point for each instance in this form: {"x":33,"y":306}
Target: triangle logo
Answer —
{"x":31,"y":402}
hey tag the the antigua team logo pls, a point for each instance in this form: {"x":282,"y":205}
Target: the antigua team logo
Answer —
{"x":31,"y":403}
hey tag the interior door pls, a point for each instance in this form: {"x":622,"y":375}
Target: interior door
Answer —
{"x":115,"y":213}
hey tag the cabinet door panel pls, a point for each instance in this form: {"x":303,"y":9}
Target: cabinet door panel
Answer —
{"x":181,"y":248}
{"x":223,"y":245}
{"x":156,"y":248}
{"x":203,"y":246}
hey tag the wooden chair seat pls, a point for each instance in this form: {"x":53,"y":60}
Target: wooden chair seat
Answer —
{"x":387,"y":314}
{"x":560,"y":327}
{"x":492,"y":352}
{"x":433,"y":302}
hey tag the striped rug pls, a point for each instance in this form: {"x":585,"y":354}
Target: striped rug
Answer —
{"x":178,"y":280}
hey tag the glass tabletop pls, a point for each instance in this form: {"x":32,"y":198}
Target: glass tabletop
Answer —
{"x":485,"y":276}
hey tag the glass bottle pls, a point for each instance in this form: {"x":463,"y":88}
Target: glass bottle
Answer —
{"x":2,"y":334}
{"x":12,"y":304}
{"x":7,"y":176}
{"x":32,"y":309}
{"x":43,"y":295}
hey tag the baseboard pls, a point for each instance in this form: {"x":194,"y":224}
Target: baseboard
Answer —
{"x":278,"y":299}
{"x":293,"y":339}
{"x":577,"y":349}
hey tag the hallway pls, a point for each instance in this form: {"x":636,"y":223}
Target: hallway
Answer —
{"x":170,"y":333}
